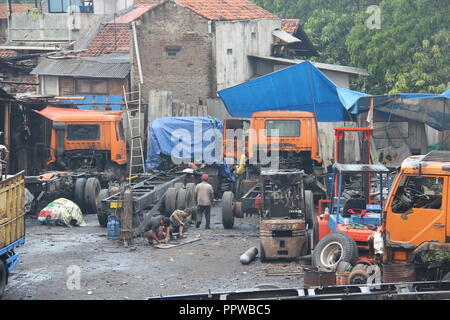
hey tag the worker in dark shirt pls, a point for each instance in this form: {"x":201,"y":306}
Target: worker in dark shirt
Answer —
{"x":157,"y":229}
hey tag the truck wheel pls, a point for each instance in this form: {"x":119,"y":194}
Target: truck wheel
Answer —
{"x":190,"y":189}
{"x":3,"y":277}
{"x":333,"y":248}
{"x":358,"y":276}
{"x":91,"y":195}
{"x":78,"y":192}
{"x":227,"y":210}
{"x":310,"y":215}
{"x":102,"y":219}
{"x":181,"y":199}
{"x":262,"y":254}
{"x":170,"y":201}
{"x":178,"y":185}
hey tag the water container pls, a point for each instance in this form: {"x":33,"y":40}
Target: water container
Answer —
{"x":113,"y":227}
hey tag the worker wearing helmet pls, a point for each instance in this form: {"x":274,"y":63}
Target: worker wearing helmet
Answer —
{"x":204,"y":196}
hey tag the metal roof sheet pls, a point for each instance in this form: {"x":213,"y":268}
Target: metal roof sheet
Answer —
{"x":286,"y":37}
{"x":82,"y":67}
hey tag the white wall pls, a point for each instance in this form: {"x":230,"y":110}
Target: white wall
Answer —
{"x":111,"y":6}
{"x":235,"y":68}
{"x":339,"y":78}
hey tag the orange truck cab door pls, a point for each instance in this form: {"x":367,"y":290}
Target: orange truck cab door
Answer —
{"x":417,"y":209}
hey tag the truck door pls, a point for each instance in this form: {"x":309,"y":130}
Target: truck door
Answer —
{"x":418,"y":211}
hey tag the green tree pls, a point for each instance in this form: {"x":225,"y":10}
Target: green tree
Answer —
{"x":409,"y":53}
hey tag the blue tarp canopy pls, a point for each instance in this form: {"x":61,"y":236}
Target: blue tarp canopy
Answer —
{"x":301,"y":87}
{"x":186,"y":139}
{"x":431,"y":109}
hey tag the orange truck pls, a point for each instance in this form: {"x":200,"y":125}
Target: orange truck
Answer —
{"x":410,"y":241}
{"x":87,"y":151}
{"x":298,"y":143}
{"x":416,"y":222}
{"x":294,"y":134}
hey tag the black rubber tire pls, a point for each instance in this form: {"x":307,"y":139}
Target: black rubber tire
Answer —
{"x":3,"y":277}
{"x":310,"y":215}
{"x":91,"y":195}
{"x":170,"y":201}
{"x":102,"y":219}
{"x":348,"y":250}
{"x":315,"y":235}
{"x":178,"y":185}
{"x":78,"y":193}
{"x":357,"y":277}
{"x":182,"y":199}
{"x":190,"y":188}
{"x":227,"y":210}
{"x":102,"y":216}
{"x":262,"y":254}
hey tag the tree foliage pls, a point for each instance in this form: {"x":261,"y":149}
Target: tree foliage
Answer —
{"x":408,"y":53}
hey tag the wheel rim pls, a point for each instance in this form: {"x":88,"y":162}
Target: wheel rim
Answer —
{"x":331,"y":254}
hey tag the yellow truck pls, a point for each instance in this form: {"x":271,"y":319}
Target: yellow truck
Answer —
{"x":12,"y":224}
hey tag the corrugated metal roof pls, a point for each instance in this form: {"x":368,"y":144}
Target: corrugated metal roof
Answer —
{"x":82,"y":67}
{"x":286,"y":37}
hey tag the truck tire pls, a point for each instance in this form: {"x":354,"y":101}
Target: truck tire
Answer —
{"x":227,"y":210}
{"x":3,"y":277}
{"x":101,"y":215}
{"x":333,"y":248}
{"x":262,"y":254}
{"x":170,"y":201}
{"x":358,"y":276}
{"x":91,"y":195}
{"x":182,"y":199}
{"x":78,"y":192}
{"x":310,"y":215}
{"x":190,"y":189}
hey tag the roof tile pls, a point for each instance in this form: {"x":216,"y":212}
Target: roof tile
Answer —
{"x":112,"y":37}
{"x":227,"y":9}
{"x":16,"y":8}
{"x":290,"y":25}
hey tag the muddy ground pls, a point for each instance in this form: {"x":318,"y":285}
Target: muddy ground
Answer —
{"x":111,"y":271}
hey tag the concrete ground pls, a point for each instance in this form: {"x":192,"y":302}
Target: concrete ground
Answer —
{"x":52,"y":257}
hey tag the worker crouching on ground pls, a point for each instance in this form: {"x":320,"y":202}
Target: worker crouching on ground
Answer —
{"x":178,"y":221}
{"x":204,"y":195}
{"x":157,"y":229}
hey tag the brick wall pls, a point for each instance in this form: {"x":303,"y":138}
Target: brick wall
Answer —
{"x":190,"y":76}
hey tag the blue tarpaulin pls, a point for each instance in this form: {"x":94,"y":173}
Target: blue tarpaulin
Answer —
{"x":301,"y":87}
{"x":97,"y":101}
{"x":431,"y":109}
{"x":186,"y":139}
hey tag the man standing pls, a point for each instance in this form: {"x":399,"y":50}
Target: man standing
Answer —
{"x":157,"y":229}
{"x":204,"y":195}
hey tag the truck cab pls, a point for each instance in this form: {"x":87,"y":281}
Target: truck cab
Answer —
{"x":85,"y":139}
{"x":416,"y":217}
{"x":294,"y":131}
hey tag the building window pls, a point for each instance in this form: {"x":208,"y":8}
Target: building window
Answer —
{"x":172,"y":51}
{"x":90,"y":86}
{"x":58,"y":6}
{"x":229,"y":51}
{"x":253,"y":35}
{"x":62,"y":6}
